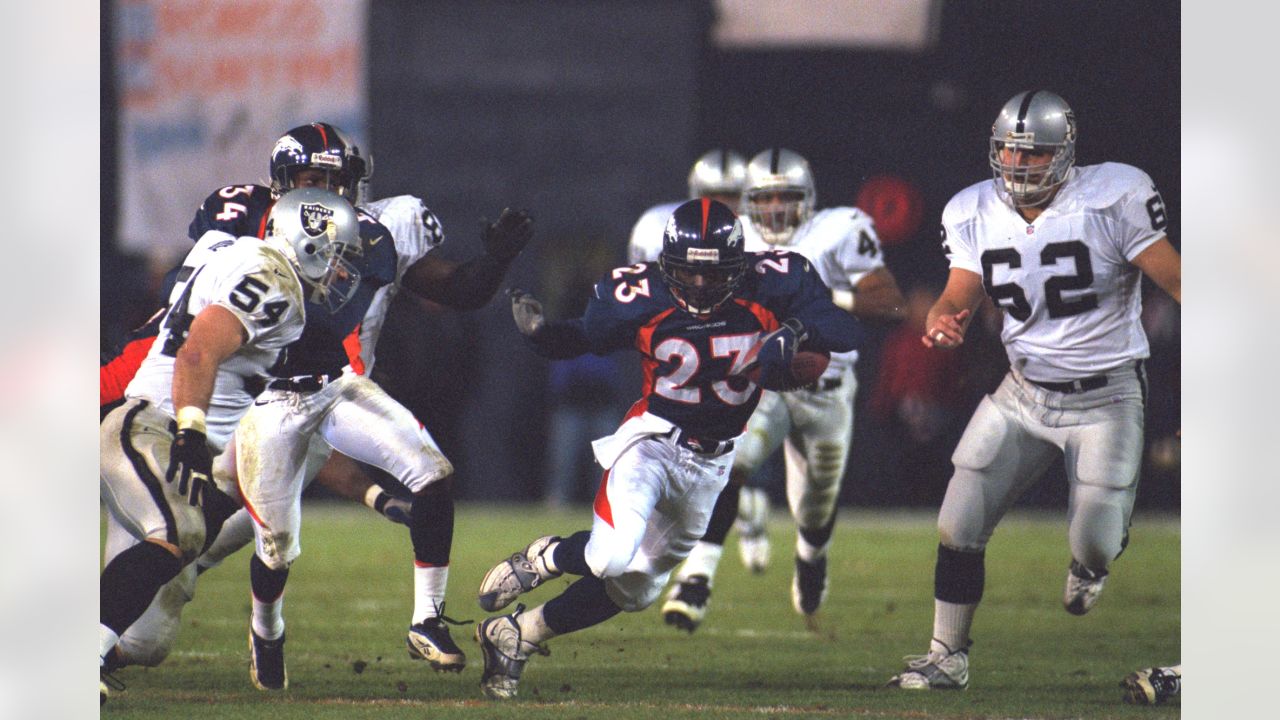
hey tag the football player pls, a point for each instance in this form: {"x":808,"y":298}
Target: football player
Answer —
{"x":315,"y":155}
{"x":717,"y":174}
{"x":322,"y":397}
{"x":814,"y":424}
{"x":1060,"y":249}
{"x":237,"y":304}
{"x":694,"y":316}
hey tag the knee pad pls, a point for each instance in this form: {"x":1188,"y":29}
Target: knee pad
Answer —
{"x":1099,"y":524}
{"x":605,"y":560}
{"x":962,"y":521}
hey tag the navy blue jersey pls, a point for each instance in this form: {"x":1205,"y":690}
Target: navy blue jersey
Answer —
{"x":238,"y":210}
{"x":692,"y":365}
{"x":243,"y":210}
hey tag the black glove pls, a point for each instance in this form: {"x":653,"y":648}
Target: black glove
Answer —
{"x":527,"y":312}
{"x":507,"y":236}
{"x":191,"y":463}
{"x":777,"y":350}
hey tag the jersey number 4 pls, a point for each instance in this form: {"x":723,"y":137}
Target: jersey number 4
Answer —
{"x":1010,"y":296}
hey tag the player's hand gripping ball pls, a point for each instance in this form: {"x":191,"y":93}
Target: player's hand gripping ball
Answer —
{"x":776,"y":362}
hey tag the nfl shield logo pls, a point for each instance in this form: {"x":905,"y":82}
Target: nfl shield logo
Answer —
{"x":315,"y":218}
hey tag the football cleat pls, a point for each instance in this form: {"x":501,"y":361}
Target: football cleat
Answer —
{"x":266,"y":663}
{"x":686,"y":603}
{"x":934,"y":671}
{"x":505,"y":654}
{"x":107,"y":684}
{"x":1083,"y":588}
{"x":809,"y":585}
{"x":518,"y":574}
{"x":1151,"y":686}
{"x":430,"y":640}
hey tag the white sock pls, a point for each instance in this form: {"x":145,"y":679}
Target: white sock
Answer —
{"x":371,"y":496}
{"x":533,"y":627}
{"x":702,"y":560}
{"x":548,"y":556}
{"x":268,"y":618}
{"x":429,"y":584}
{"x":107,"y":639}
{"x":951,"y":623}
{"x":810,"y":553}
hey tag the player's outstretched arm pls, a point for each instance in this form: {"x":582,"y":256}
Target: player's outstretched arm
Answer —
{"x":468,"y":286}
{"x":875,"y":297}
{"x":949,"y":317}
{"x":552,"y":339}
{"x":1163,"y":265}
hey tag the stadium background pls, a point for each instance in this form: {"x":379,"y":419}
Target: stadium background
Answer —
{"x":589,"y":112}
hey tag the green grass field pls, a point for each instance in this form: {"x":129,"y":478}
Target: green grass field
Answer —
{"x":350,"y":597}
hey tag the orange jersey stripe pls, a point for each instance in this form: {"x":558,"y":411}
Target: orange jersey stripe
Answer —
{"x":601,"y":507}
{"x":351,"y":344}
{"x":115,"y":376}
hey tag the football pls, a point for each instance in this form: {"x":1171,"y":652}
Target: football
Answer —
{"x":806,"y":368}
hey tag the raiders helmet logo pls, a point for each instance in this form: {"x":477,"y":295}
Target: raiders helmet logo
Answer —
{"x":315,"y":218}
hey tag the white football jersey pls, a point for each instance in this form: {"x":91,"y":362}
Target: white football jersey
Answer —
{"x":1070,"y":297}
{"x":842,"y":244}
{"x":416,"y":231}
{"x":646,"y":236}
{"x":255,"y":283}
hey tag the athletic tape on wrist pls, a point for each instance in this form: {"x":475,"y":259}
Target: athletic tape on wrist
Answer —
{"x":191,"y":417}
{"x":844,"y":299}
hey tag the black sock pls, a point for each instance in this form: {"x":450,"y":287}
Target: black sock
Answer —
{"x":570,"y":555}
{"x":130,"y":582}
{"x":723,"y":514}
{"x":583,"y":604}
{"x":959,"y":575}
{"x":820,"y":536}
{"x":431,"y":523}
{"x":267,"y":584}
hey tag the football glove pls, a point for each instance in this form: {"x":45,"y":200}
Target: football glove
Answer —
{"x":191,"y":463}
{"x":527,"y":312}
{"x":776,"y":351}
{"x":507,"y":236}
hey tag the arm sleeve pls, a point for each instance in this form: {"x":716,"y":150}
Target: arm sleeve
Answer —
{"x":830,"y":329}
{"x":957,"y":240}
{"x":471,"y":284}
{"x":1142,"y":218}
{"x":561,"y":340}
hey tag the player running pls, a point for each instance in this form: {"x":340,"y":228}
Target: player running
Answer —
{"x":1058,"y":249}
{"x":695,"y":316}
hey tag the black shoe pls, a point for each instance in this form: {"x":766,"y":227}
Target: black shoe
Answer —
{"x":430,"y":640}
{"x":266,"y":663}
{"x":686,"y":604}
{"x":809,"y":585}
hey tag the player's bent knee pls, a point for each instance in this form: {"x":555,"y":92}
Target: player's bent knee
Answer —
{"x":274,"y":552}
{"x":962,"y":522}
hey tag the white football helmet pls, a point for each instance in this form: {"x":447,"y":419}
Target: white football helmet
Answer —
{"x":718,"y":172}
{"x":780,"y":194}
{"x":318,"y":231}
{"x":1037,"y":121}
